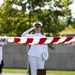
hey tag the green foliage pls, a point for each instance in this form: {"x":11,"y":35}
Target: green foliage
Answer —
{"x":14,"y":21}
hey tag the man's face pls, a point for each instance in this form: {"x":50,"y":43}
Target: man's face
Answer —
{"x":38,"y":28}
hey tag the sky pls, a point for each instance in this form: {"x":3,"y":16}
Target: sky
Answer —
{"x":71,"y":7}
{"x":1,"y":1}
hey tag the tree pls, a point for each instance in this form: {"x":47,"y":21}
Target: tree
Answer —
{"x":14,"y":20}
{"x":55,"y":18}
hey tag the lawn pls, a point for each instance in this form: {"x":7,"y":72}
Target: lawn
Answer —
{"x":54,"y":72}
{"x":61,"y":72}
{"x":11,"y":70}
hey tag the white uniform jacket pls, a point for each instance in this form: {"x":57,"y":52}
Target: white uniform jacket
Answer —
{"x":1,"y":44}
{"x":36,"y":50}
{"x":0,"y":54}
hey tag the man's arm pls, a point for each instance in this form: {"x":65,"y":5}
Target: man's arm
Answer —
{"x":26,"y":32}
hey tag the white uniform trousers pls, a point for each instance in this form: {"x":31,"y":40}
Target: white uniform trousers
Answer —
{"x":36,"y":63}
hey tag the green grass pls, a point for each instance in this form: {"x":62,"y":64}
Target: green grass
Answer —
{"x":61,"y":72}
{"x":55,"y":72}
{"x":11,"y":70}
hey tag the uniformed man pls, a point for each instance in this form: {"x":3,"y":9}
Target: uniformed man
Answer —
{"x":35,"y":57}
{"x":1,"y":61}
{"x":3,"y":41}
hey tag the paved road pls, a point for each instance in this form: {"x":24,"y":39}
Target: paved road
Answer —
{"x":20,"y":74}
{"x":27,"y":74}
{"x":24,"y":74}
{"x":13,"y":74}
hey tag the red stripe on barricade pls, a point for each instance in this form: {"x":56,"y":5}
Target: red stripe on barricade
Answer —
{"x":67,"y":39}
{"x":55,"y":40}
{"x":16,"y":39}
{"x":29,"y":40}
{"x":42,"y":40}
